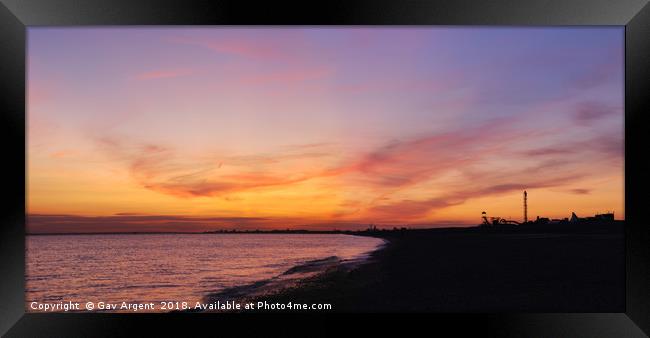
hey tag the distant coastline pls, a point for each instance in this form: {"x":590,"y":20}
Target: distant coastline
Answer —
{"x":240,"y":232}
{"x":235,"y":232}
{"x":365,"y":232}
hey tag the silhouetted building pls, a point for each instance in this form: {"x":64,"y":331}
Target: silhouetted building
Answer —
{"x":608,"y":217}
{"x":598,"y":218}
{"x":605,"y":218}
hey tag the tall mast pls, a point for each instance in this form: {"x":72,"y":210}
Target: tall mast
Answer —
{"x":525,"y":206}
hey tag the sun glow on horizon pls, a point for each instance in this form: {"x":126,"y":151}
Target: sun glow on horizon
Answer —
{"x":193,"y":129}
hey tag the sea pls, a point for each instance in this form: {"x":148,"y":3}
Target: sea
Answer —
{"x":171,"y":268}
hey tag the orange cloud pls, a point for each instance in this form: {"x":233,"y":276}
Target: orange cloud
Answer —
{"x":159,"y":168}
{"x":396,"y":165}
{"x":580,"y":191}
{"x":381,"y":174}
{"x":61,"y":154}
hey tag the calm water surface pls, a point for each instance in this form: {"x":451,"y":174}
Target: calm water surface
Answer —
{"x":170,"y":267}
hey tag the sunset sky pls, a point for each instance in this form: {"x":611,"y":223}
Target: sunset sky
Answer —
{"x":193,"y":129}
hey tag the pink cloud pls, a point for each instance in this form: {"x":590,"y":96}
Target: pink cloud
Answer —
{"x":589,"y":112}
{"x":394,"y":166}
{"x":408,"y":210}
{"x":559,"y":150}
{"x":388,"y":169}
{"x":403,"y":163}
{"x":610,"y":144}
{"x":241,"y":47}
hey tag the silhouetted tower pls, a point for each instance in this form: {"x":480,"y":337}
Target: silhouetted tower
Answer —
{"x":525,"y":206}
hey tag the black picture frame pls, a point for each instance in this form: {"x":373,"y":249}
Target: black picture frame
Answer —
{"x":16,"y":15}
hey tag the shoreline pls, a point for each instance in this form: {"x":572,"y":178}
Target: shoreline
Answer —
{"x":258,"y":264}
{"x":296,"y":277}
